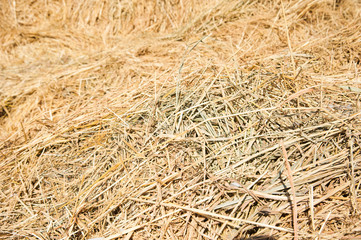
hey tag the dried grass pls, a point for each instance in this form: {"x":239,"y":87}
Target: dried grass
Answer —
{"x":167,"y":119}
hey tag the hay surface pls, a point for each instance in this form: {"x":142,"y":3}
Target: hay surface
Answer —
{"x":167,"y":119}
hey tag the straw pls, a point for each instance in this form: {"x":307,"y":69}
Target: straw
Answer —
{"x":164,"y":119}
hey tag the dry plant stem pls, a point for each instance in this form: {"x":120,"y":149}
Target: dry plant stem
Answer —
{"x":218,"y":216}
{"x":312,"y":210}
{"x":323,"y":226}
{"x":352,"y":176}
{"x":294,"y":200}
{"x":289,"y":41}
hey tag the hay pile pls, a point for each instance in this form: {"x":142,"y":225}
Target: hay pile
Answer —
{"x":180,"y":120}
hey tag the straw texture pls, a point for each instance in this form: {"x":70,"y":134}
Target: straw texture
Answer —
{"x":180,"y":119}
